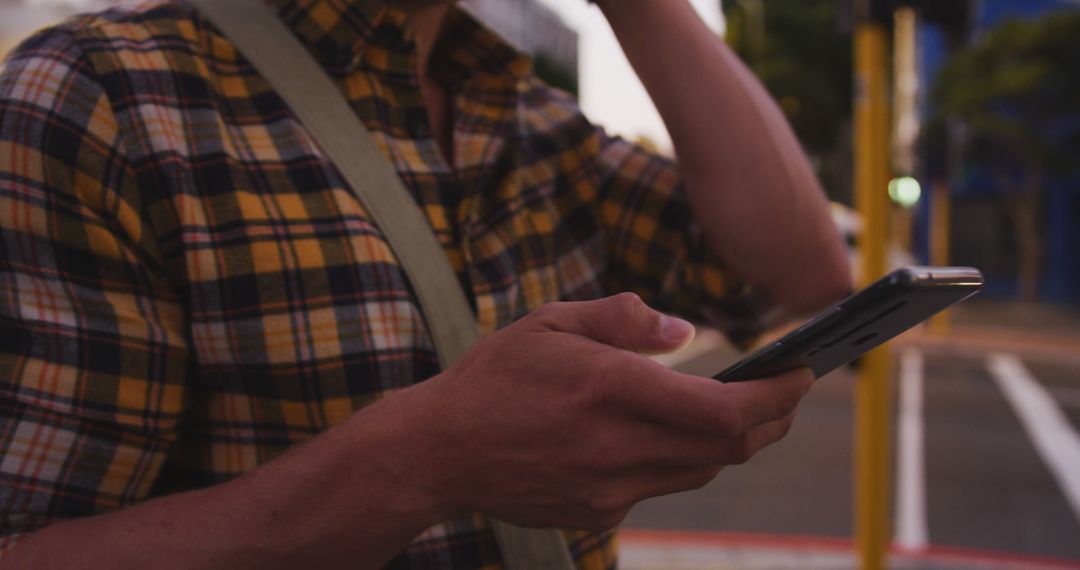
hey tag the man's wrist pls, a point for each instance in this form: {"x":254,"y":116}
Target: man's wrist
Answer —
{"x":362,"y":489}
{"x":398,"y":433}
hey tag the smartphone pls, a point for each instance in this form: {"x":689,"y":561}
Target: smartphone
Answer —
{"x":863,"y":321}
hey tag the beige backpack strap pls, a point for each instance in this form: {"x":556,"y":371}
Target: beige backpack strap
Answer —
{"x":280,"y":58}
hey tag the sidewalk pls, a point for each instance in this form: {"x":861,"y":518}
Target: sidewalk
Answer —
{"x":675,"y":550}
{"x":1034,"y":331}
{"x":1055,"y":321}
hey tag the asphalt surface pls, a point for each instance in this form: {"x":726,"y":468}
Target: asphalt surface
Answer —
{"x":988,"y":489}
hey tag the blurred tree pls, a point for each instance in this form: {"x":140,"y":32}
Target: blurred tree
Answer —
{"x":801,"y":51}
{"x":1017,"y":89}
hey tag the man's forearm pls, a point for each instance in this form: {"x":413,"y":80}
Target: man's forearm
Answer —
{"x":346,"y":497}
{"x":753,"y":190}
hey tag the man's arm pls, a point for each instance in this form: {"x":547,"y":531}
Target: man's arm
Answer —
{"x":334,"y":501}
{"x":500,"y":433}
{"x":752,"y":189}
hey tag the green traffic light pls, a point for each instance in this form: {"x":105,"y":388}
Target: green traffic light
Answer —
{"x":905,"y":191}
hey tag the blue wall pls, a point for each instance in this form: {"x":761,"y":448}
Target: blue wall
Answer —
{"x":991,"y":12}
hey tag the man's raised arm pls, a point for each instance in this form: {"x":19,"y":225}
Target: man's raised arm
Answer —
{"x":752,"y":188}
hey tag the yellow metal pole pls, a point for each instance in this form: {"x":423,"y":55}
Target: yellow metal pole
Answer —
{"x":940,"y":241}
{"x":872,"y":391}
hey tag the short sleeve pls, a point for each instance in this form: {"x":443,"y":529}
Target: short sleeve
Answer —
{"x":657,"y":250}
{"x":92,"y":350}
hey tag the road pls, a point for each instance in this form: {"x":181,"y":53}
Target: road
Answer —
{"x":993,"y":436}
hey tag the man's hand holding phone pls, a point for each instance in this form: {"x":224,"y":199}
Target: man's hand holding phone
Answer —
{"x":559,"y":421}
{"x":554,"y":421}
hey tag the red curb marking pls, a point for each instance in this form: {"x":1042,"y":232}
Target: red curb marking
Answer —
{"x":834,"y":545}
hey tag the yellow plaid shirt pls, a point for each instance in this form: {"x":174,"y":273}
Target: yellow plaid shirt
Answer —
{"x":187,"y":286}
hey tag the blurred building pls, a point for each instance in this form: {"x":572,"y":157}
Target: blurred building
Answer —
{"x":20,"y":18}
{"x":530,"y":26}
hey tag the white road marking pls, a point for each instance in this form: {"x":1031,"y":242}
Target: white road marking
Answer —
{"x":1057,"y":442}
{"x":912,"y":533}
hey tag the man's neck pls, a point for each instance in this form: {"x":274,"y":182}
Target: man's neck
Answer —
{"x":426,"y":18}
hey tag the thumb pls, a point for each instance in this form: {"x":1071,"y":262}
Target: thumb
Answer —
{"x":623,"y":321}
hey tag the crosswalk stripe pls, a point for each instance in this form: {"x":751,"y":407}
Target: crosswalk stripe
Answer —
{"x":911,"y":525}
{"x":1056,"y":441}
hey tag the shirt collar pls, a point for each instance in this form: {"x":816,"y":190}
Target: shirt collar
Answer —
{"x":467,"y":49}
{"x":340,"y":33}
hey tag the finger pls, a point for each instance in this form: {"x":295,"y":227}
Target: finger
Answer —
{"x":649,"y":445}
{"x":650,"y":391}
{"x":653,"y":482}
{"x":679,"y":480}
{"x":623,"y":321}
{"x":765,"y":435}
{"x":763,"y":401}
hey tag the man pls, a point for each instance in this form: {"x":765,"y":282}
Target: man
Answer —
{"x":211,"y":358}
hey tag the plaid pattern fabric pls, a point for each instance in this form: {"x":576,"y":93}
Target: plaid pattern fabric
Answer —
{"x":187,"y":287}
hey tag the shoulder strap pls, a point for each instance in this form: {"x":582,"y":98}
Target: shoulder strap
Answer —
{"x":277,"y":55}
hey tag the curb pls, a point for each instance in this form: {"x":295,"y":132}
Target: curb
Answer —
{"x":698,"y":550}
